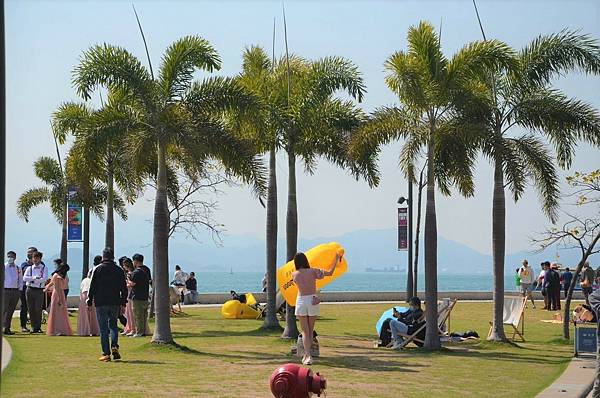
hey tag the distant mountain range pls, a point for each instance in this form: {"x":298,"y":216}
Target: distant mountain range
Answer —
{"x":365,"y":248}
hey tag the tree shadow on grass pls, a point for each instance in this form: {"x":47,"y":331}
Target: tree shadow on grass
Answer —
{"x":139,"y":362}
{"x":502,"y":356}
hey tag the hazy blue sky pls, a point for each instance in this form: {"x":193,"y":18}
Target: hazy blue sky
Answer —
{"x":45,"y":39}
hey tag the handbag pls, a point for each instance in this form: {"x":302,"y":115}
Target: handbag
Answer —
{"x":315,"y":300}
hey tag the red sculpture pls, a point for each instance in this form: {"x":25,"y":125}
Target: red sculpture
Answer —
{"x":293,"y":381}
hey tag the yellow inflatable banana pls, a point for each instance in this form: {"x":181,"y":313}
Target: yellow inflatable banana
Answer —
{"x":320,"y":256}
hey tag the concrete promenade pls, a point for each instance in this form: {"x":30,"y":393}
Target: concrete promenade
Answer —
{"x":6,"y":354}
{"x":576,"y":381}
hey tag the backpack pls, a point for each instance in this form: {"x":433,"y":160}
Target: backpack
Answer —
{"x":385,"y":336}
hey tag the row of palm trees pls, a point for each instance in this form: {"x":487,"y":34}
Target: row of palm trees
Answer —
{"x":449,"y":112}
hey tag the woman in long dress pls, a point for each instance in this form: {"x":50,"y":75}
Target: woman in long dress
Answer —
{"x":87,"y":322}
{"x":129,"y":329}
{"x":58,"y":318}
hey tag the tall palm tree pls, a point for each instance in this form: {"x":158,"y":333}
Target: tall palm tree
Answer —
{"x":523,"y":97}
{"x":54,"y":193}
{"x":181,"y":126}
{"x":429,"y":87}
{"x":317,"y":124}
{"x":100,"y":144}
{"x":258,"y":77}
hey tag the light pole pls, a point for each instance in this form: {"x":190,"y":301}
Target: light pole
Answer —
{"x":411,"y":286}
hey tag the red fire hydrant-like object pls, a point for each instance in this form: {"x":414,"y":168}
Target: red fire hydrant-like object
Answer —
{"x":293,"y":381}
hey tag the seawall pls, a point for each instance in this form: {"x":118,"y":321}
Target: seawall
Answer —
{"x":337,"y":297}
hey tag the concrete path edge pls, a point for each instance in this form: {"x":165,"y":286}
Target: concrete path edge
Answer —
{"x":575,"y":382}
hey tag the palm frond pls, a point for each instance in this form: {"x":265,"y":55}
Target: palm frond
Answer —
{"x":112,"y":66}
{"x":181,"y":59}
{"x":48,"y":170}
{"x":549,"y":56}
{"x":542,"y":171}
{"x":563,"y":120}
{"x":70,"y":118}
{"x":31,"y":198}
{"x":218,"y":94}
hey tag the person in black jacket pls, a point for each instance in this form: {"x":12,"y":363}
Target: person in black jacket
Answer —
{"x":406,"y":322}
{"x":109,"y":292}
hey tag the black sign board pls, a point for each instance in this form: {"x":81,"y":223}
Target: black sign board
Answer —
{"x":585,"y":340}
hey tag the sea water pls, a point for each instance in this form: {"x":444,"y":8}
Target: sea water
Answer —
{"x":241,"y":282}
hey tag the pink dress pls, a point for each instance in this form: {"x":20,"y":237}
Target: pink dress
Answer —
{"x":87,"y":323}
{"x":130,"y":327}
{"x":58,"y":318}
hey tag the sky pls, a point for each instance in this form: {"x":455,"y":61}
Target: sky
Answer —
{"x":46,"y":38}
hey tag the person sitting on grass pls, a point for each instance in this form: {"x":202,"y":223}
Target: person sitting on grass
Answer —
{"x":405,"y":323}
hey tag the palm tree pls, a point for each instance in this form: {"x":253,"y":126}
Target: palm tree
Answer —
{"x":100,"y":144}
{"x":304,"y":119}
{"x":54,"y":193}
{"x":429,"y":87}
{"x":258,"y":78}
{"x":523,"y":96}
{"x":92,"y":196}
{"x":181,"y":126}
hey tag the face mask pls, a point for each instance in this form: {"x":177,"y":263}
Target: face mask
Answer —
{"x":413,"y":307}
{"x":10,"y":260}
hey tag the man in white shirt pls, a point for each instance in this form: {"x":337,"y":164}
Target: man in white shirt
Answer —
{"x":13,"y":284}
{"x":179,"y":281}
{"x":527,"y":279}
{"x":35,"y":278}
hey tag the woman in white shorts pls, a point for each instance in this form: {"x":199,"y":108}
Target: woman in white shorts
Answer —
{"x":307,"y":302}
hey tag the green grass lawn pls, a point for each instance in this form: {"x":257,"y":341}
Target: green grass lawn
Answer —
{"x":226,"y":358}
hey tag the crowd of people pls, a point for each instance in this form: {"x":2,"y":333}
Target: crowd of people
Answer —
{"x":552,"y":280}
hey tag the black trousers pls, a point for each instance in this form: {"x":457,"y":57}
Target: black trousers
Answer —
{"x":35,"y":304}
{"x":11,"y":298}
{"x":23,"y":313}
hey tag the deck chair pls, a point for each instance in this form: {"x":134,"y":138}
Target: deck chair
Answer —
{"x":514,"y":316}
{"x":444,"y":309}
{"x":279,"y":306}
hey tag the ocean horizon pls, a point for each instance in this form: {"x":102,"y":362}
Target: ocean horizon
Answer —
{"x":242,"y":282}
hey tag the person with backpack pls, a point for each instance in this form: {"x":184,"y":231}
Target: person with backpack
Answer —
{"x":526,"y":277}
{"x":587,"y":281}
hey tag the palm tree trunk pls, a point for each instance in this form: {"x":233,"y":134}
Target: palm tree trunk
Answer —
{"x":498,"y":248}
{"x":160,"y":253}
{"x":109,"y":240}
{"x":291,"y":234}
{"x":64,"y":237}
{"x":271,"y":321}
{"x":86,"y":242}
{"x":432,"y":338}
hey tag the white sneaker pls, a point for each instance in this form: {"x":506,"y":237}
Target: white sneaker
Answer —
{"x":397,"y":345}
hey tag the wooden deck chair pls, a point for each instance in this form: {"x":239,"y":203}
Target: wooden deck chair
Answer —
{"x":443,"y":310}
{"x":514,"y":316}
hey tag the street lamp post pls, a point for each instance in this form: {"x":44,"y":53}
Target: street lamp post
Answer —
{"x":411,"y":285}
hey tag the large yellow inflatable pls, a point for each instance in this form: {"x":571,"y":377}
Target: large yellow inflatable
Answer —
{"x":320,"y":256}
{"x":233,"y":309}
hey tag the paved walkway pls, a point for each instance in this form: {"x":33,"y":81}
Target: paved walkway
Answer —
{"x":6,"y":353}
{"x":575,"y":382}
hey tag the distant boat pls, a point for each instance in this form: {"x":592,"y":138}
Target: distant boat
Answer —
{"x":391,"y":269}
{"x":231,"y":271}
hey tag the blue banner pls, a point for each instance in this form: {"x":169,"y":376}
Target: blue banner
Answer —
{"x":75,"y":218}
